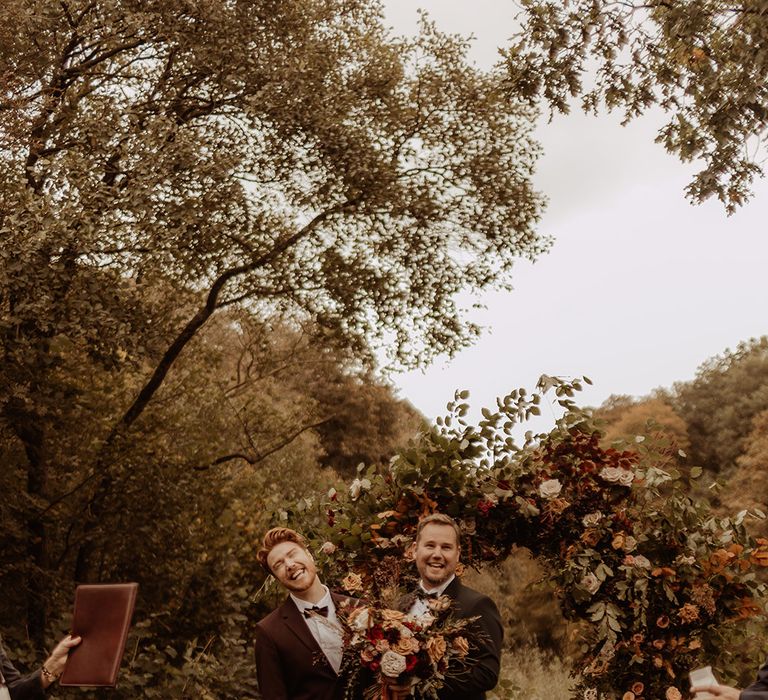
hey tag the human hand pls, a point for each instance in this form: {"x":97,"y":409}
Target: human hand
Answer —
{"x":712,"y":692}
{"x":55,"y":663}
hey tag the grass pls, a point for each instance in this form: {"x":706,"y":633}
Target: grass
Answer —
{"x":529,"y":673}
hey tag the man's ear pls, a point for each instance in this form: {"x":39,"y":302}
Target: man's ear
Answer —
{"x":410,"y":553}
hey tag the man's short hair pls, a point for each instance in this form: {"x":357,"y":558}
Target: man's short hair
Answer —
{"x":274,"y":537}
{"x":439,"y":519}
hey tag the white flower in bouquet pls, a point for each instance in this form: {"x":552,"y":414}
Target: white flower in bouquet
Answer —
{"x":642,"y":562}
{"x":392,"y":664}
{"x":550,"y":488}
{"x":359,"y":619}
{"x":590,"y":583}
{"x":328,"y":548}
{"x":358,"y":486}
{"x":630,"y":543}
{"x":423,"y":621}
{"x":611,"y":474}
{"x":626,"y":478}
{"x":592,"y":519}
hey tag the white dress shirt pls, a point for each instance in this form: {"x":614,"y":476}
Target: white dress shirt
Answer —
{"x":420,"y":606}
{"x":4,"y":694}
{"x":326,"y":630}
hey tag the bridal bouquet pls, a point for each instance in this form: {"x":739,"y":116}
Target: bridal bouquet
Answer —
{"x":387,"y":647}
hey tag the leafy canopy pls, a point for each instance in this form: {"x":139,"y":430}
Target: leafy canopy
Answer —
{"x":705,"y":63}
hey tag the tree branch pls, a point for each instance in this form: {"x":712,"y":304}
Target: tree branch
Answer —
{"x":261,"y":456}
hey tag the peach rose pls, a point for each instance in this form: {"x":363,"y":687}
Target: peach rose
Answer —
{"x":591,"y":537}
{"x":673,"y":693}
{"x":438,"y":605}
{"x":436,"y":647}
{"x":353,"y":583}
{"x":389,"y":615}
{"x":461,"y":646}
{"x":637,"y":688}
{"x":629,"y":695}
{"x":406,"y":645}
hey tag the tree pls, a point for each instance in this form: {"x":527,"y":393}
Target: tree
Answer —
{"x":705,"y":63}
{"x":165,"y":161}
{"x":718,"y":406}
{"x":648,"y":417}
{"x":367,"y":424}
{"x":747,"y":486}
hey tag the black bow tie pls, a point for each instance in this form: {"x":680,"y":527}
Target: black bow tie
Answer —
{"x":428,"y":596}
{"x":315,"y":609}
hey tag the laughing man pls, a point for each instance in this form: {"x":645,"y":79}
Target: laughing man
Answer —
{"x":298,"y":645}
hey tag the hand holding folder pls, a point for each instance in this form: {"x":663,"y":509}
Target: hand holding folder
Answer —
{"x":102,"y":618}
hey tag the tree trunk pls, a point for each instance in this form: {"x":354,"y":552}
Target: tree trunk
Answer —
{"x":29,"y":430}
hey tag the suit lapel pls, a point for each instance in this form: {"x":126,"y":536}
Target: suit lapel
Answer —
{"x":453,"y":588}
{"x":295,"y":623}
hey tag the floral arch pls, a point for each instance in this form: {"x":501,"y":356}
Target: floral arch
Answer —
{"x":658,"y":582}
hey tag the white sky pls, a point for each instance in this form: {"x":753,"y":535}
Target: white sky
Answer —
{"x":639,"y":288}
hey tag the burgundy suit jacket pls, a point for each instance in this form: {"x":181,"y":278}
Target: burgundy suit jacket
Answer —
{"x":289,"y":662}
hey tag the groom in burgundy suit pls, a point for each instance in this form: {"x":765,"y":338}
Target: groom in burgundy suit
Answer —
{"x":298,"y":645}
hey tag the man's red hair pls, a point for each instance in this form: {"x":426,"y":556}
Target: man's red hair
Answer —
{"x":274,"y":537}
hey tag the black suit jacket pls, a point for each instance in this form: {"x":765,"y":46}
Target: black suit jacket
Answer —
{"x":289,"y":662}
{"x":20,"y":687}
{"x":759,"y":689}
{"x":487,"y":635}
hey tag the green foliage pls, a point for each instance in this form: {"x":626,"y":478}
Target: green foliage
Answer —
{"x":660,"y":583}
{"x":719,"y":405}
{"x":747,"y":487}
{"x":647,"y":418}
{"x":186,"y":188}
{"x":705,"y":63}
{"x":229,"y":437}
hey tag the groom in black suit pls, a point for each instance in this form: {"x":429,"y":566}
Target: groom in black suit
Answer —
{"x":436,"y":552}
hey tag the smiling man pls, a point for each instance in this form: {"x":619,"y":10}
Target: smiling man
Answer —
{"x":299,"y":645}
{"x":436,"y":550}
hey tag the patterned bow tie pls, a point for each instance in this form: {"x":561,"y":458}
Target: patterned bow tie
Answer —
{"x":308,"y":612}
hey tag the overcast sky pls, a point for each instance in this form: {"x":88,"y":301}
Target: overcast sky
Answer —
{"x":639,"y":288}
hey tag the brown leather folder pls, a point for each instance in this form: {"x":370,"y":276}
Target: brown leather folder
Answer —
{"x":102,"y":618}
